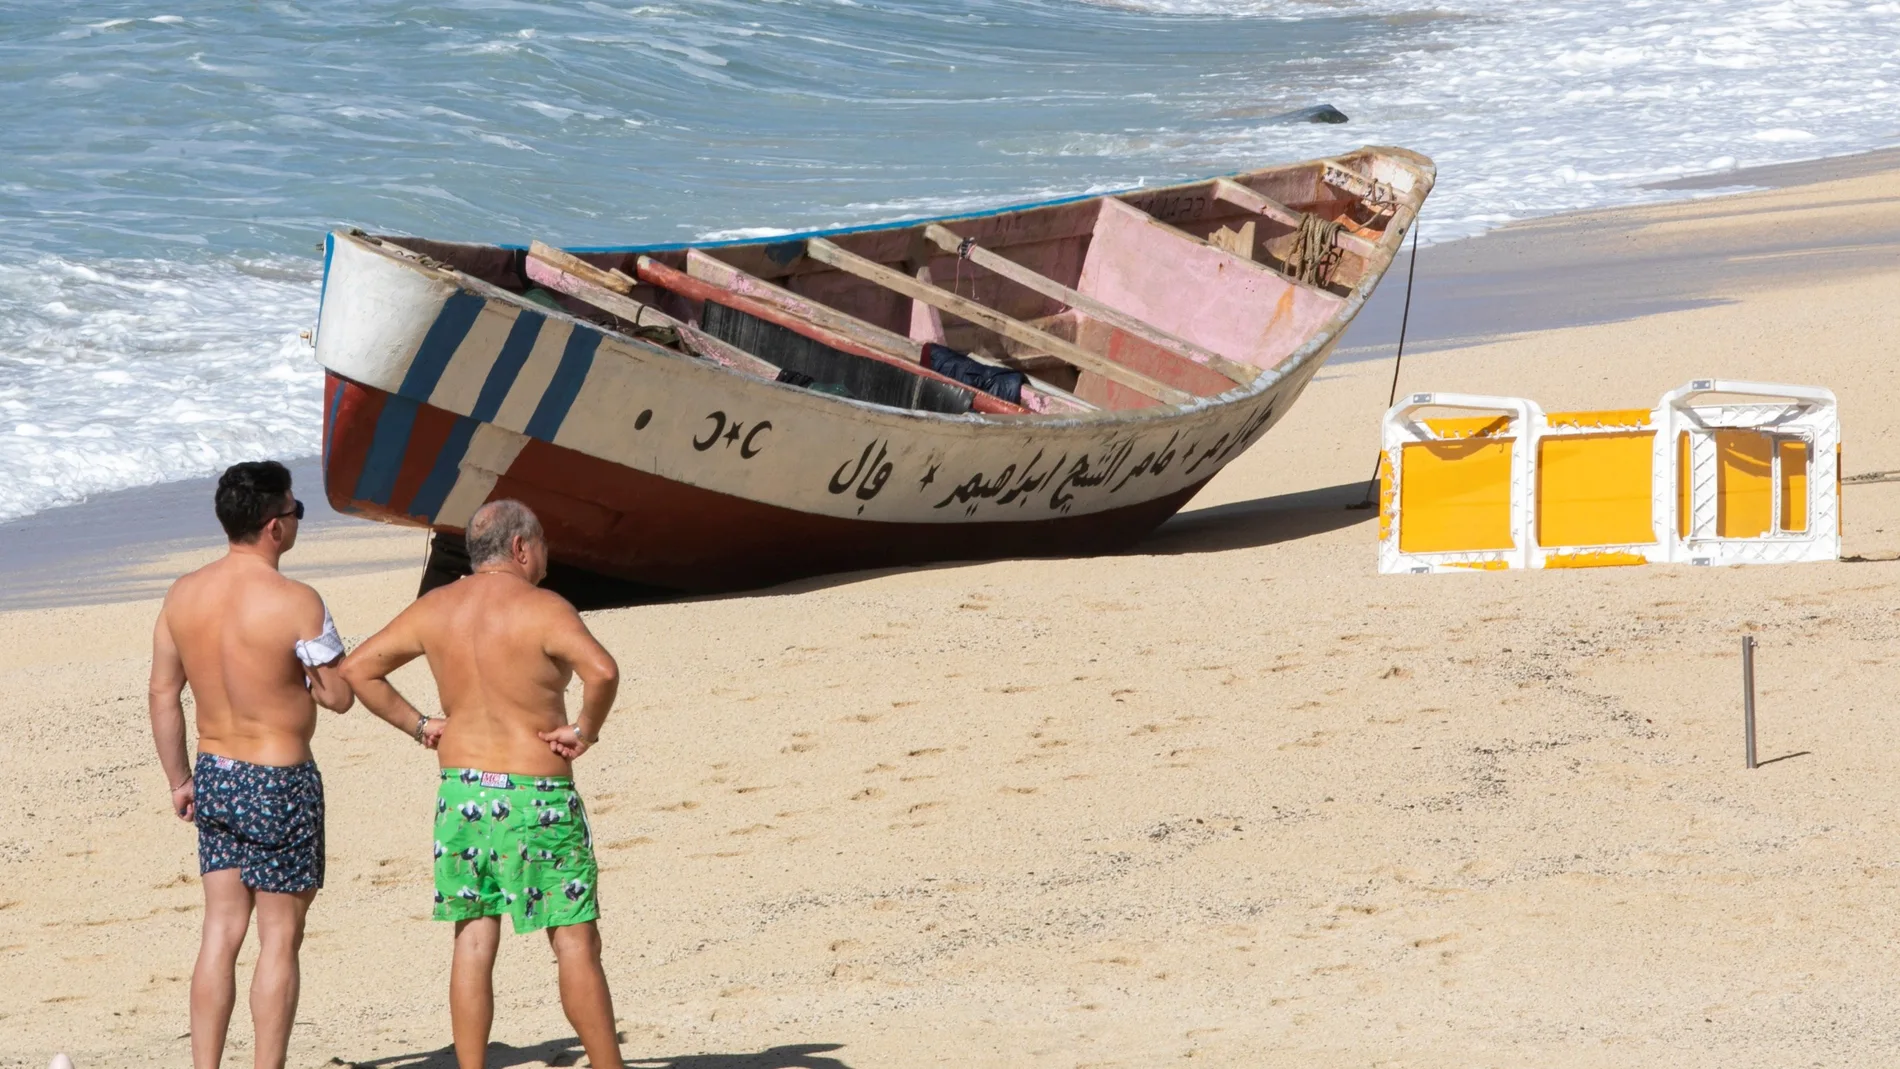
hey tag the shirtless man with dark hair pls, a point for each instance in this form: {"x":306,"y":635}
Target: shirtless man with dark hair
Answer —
{"x":511,"y":836}
{"x":260,"y":654}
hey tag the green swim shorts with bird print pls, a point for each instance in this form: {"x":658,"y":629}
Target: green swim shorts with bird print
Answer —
{"x":514,"y":845}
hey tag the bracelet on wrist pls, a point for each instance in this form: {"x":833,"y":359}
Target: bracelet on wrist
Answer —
{"x":422,"y":721}
{"x":182,"y":782}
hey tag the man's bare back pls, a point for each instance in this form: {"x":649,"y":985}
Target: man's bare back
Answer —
{"x":502,"y":652}
{"x":234,"y":623}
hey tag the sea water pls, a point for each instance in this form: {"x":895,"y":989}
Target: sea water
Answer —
{"x":169,"y":168}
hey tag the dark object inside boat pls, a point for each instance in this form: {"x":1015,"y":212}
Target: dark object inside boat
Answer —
{"x":866,"y":380}
{"x":995,"y":381}
{"x":448,"y":561}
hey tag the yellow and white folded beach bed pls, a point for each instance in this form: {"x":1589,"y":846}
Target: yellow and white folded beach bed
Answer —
{"x":1719,"y":472}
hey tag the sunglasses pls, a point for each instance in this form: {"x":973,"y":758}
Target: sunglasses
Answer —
{"x":296,"y":511}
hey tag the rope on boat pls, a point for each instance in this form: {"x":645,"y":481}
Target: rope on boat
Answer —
{"x":1405,"y":318}
{"x":1313,"y":254}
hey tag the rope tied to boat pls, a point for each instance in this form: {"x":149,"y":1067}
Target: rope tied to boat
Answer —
{"x":1314,"y":252}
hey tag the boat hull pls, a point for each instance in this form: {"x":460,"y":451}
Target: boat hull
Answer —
{"x":446,"y":389}
{"x":618,"y":521}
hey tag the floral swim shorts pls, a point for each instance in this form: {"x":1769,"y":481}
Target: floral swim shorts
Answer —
{"x":266,"y":821}
{"x":513,"y":845}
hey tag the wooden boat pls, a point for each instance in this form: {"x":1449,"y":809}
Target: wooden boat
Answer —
{"x":1052,"y":379}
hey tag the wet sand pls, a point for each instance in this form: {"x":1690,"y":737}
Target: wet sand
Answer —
{"x":1231,"y":797}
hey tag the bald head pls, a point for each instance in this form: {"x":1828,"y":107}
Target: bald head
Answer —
{"x":495,"y":526}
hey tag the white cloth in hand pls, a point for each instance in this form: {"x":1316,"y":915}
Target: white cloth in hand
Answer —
{"x":326,"y":648}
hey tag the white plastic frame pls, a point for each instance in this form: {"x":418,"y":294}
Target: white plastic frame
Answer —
{"x":1806,"y":413}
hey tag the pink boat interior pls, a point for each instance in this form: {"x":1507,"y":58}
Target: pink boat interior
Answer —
{"x":1129,"y":301}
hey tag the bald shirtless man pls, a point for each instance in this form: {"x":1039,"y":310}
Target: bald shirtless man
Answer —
{"x":510,"y":834}
{"x":260,"y":654}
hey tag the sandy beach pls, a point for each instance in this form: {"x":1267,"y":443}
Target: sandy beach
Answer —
{"x":1232,"y":797}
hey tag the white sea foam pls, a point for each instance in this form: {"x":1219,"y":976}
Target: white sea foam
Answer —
{"x":120,"y":367}
{"x":1533,"y":108}
{"x":116,"y":374}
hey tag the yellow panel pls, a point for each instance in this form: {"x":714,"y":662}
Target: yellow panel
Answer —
{"x":1682,"y":485}
{"x":1794,"y":486}
{"x":1594,"y":560}
{"x":1743,"y":494}
{"x":1469,"y":426}
{"x":1455,"y":495}
{"x":1594,"y":489}
{"x":1608,"y":418}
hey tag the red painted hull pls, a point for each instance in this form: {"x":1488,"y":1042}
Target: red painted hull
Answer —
{"x":631,"y":525}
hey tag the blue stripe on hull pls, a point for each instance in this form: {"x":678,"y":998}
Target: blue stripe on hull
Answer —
{"x":377,"y":483}
{"x":514,"y":353}
{"x":448,"y":467}
{"x":438,"y":346}
{"x":576,"y":359}
{"x":323,"y":288}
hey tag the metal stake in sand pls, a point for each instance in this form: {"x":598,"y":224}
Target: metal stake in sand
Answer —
{"x":1748,"y":698}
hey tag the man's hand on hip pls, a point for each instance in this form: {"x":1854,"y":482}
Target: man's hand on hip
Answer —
{"x":566,"y":741}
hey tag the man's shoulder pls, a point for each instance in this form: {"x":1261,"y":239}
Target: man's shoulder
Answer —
{"x":188,"y":585}
{"x":548,"y":603}
{"x":291,"y":593}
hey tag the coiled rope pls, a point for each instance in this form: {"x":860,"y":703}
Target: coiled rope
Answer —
{"x":1314,"y":253}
